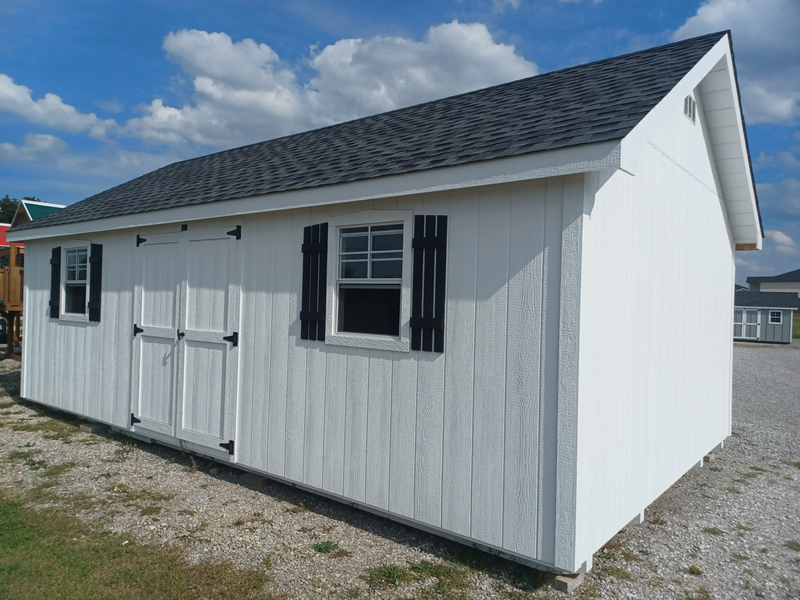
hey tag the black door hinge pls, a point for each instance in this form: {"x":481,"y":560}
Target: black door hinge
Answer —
{"x":237,"y":233}
{"x":181,"y":334}
{"x":233,"y":339}
{"x":134,"y":420}
{"x":139,"y":240}
{"x":137,"y":330}
{"x":228,"y":446}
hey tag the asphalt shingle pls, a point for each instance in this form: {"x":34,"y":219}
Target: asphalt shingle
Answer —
{"x":589,"y":103}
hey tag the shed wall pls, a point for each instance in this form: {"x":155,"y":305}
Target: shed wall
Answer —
{"x":772,"y":332}
{"x":656,"y":328}
{"x":463,"y":441}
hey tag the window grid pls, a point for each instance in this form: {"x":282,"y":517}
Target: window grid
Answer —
{"x":775,"y":317}
{"x":371,"y":253}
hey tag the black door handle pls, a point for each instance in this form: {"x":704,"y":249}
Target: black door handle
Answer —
{"x":181,"y":334}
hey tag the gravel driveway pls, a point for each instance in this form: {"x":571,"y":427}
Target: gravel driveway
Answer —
{"x":729,"y":530}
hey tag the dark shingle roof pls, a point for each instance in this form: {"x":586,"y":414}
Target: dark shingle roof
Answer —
{"x":595,"y":102}
{"x":791,"y":276}
{"x":783,"y":300}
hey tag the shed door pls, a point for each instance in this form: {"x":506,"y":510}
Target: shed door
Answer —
{"x":207,"y":386}
{"x":185,"y":352}
{"x":751,"y":324}
{"x":155,"y":342}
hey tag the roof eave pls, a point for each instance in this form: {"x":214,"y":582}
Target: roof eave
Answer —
{"x":599,"y":156}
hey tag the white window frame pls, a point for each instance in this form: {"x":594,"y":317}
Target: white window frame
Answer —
{"x":780,"y":317}
{"x":400,"y":343}
{"x":64,"y":315}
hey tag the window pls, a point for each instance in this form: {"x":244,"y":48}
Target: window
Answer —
{"x":76,"y":281}
{"x":775,"y":317}
{"x":369,"y":280}
{"x":76,"y":269}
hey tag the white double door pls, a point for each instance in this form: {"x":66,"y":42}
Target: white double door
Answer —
{"x":185,"y":336}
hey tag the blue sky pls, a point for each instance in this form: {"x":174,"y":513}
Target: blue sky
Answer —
{"x":94,"y":93}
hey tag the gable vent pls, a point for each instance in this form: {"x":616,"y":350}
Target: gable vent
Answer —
{"x":689,"y":108}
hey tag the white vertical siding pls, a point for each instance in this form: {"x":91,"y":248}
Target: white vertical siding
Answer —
{"x":463,"y":440}
{"x":655,"y":338}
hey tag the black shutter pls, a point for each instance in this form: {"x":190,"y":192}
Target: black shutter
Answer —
{"x":315,"y":281}
{"x":95,"y":281}
{"x":55,"y":282}
{"x":428,"y":285}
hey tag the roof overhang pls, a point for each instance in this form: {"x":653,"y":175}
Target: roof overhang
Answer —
{"x":601,"y":156}
{"x":713,"y":83}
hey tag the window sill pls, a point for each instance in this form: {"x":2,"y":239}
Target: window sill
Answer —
{"x":370,"y":342}
{"x":74,"y":317}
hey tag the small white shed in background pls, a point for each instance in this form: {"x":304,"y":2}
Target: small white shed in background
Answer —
{"x":470,"y":315}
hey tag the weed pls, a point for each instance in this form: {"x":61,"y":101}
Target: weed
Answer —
{"x":352,"y":593}
{"x":7,"y":405}
{"x":54,"y":426}
{"x":268,"y":562}
{"x":300,"y":508}
{"x":57,"y":470}
{"x":616,"y":572}
{"x":341,"y":553}
{"x":186,"y":512}
{"x":792,"y":545}
{"x":785,"y":580}
{"x":746,"y":584}
{"x":744,"y":527}
{"x":325,"y":547}
{"x":759,"y":469}
{"x":715,"y":469}
{"x":702,"y":593}
{"x":795,"y":464}
{"x":752,"y":475}
{"x":238,"y":523}
{"x":657,"y":519}
{"x":449,"y":578}
{"x":733,"y":489}
{"x":386,"y":576}
{"x":739,"y":557}
{"x":695,"y":570}
{"x":764,"y":550}
{"x":153,"y":509}
{"x":713,"y":530}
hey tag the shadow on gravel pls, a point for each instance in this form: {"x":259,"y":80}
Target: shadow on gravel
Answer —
{"x":459,"y":556}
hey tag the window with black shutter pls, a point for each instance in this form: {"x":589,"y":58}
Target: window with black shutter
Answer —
{"x":428,"y":287}
{"x":315,"y":278}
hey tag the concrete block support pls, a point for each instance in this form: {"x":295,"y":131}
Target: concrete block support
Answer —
{"x":89,"y":427}
{"x":569,"y":583}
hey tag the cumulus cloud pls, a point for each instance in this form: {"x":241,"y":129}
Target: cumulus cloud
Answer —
{"x":38,"y":147}
{"x":50,"y":110}
{"x":502,"y":5}
{"x":781,"y":198}
{"x":782,"y":242}
{"x":766,"y":45}
{"x":358,"y":77}
{"x":242,"y":92}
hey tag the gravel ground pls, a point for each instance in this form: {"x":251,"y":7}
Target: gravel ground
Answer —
{"x":729,"y":530}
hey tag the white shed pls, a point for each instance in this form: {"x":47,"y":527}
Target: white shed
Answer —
{"x":471,"y":315}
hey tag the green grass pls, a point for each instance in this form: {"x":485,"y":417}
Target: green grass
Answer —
{"x":695,"y":570}
{"x":326,"y":547}
{"x":713,"y":530}
{"x":55,"y":426}
{"x":792,"y":545}
{"x":44,"y":554}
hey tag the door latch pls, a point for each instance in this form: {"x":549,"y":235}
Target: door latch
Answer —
{"x":181,"y":334}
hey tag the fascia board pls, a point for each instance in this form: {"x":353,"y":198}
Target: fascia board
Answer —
{"x":763,"y":307}
{"x":633,"y":143}
{"x":26,"y":202}
{"x":585,"y":158}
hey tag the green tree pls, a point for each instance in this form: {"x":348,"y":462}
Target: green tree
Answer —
{"x":8,"y":207}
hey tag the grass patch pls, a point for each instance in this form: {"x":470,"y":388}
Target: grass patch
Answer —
{"x":713,"y":530}
{"x":733,"y":489}
{"x":744,"y":527}
{"x":57,"y":470}
{"x":616,"y":572}
{"x":325,"y":547}
{"x":352,"y":593}
{"x":386,"y":576}
{"x":759,"y":469}
{"x":129,"y":496}
{"x":450,"y":579}
{"x":739,"y":557}
{"x":153,"y":509}
{"x":7,"y":405}
{"x":44,"y":554}
{"x":53,"y":425}
{"x":695,"y":570}
{"x":792,"y":545}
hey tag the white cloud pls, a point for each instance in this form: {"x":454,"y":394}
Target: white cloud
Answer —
{"x":358,"y":77}
{"x":243,"y":93}
{"x":782,"y":242}
{"x":38,"y":147}
{"x":781,"y":198}
{"x":501,"y":5}
{"x":49,"y":111}
{"x":111,"y":106}
{"x":767,"y":48}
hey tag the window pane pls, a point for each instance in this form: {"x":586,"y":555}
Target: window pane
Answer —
{"x":387,"y":269}
{"x":355,"y":230}
{"x":737,"y":331}
{"x":356,"y":243}
{"x":750,"y":331}
{"x":384,"y":255}
{"x":737,"y":316}
{"x":393,"y":241}
{"x":752,"y":317}
{"x":76,"y":299}
{"x":354,"y":270}
{"x":394,"y":227}
{"x":369,"y":310}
